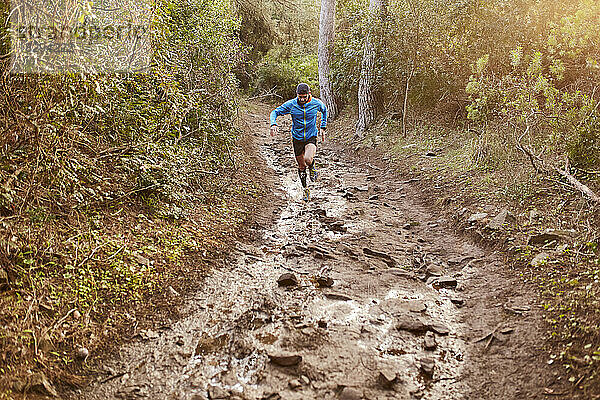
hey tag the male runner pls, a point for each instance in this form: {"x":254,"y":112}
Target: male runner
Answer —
{"x":304,"y":110}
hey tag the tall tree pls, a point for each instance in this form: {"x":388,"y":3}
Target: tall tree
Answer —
{"x":326,"y":32}
{"x":366,"y":98}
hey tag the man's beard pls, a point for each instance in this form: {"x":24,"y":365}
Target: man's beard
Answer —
{"x":304,"y":101}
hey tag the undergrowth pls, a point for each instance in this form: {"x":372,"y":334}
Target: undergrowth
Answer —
{"x":113,"y":186}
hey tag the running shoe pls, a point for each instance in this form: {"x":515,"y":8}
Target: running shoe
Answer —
{"x":306,"y":194}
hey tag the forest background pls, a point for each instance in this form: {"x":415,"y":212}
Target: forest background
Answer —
{"x":503,"y":93}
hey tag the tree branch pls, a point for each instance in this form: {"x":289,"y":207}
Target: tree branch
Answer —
{"x":575,"y":183}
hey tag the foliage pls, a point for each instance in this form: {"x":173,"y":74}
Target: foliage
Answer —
{"x":545,"y":94}
{"x":90,"y":163}
{"x":281,"y":70}
{"x":291,"y":58}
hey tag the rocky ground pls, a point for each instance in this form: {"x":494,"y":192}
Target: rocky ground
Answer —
{"x":361,"y":293}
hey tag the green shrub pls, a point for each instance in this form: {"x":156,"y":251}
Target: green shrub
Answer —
{"x":584,"y":148}
{"x":281,"y":71}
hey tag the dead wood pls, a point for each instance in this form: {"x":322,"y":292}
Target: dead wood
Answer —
{"x":578,"y":185}
{"x":538,"y":165}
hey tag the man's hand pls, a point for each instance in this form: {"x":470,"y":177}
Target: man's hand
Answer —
{"x":323,"y":135}
{"x":274,"y":130}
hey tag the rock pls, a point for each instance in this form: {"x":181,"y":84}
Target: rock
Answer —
{"x":148,"y":334}
{"x":38,"y":383}
{"x":295,"y":384}
{"x":82,"y":353}
{"x":324,"y":281}
{"x":349,"y":393}
{"x":374,"y":197}
{"x":459,"y":260}
{"x":337,"y":296}
{"x":362,"y":188}
{"x":271,"y":396}
{"x":445,"y":282}
{"x":498,"y":221}
{"x":141,"y":259}
{"x":477,"y":217}
{"x":285,"y":359}
{"x":338,"y":226}
{"x":172,"y":292}
{"x":534,"y":216}
{"x":517,"y":309}
{"x":304,"y":379}
{"x":401,"y":272}
{"x":199,"y":396}
{"x":427,"y":365}
{"x":287,"y":279}
{"x":411,"y":324}
{"x":429,"y":341}
{"x":349,"y":196}
{"x":439,"y":329}
{"x":543,"y":238}
{"x":322,"y":324}
{"x":457,"y":301}
{"x":539,"y":260}
{"x":387,"y":378}
{"x":76,"y":314}
{"x":208,"y":344}
{"x":434,"y":270}
{"x":417,"y":306}
{"x":431,"y":154}
{"x":217,"y":392}
{"x":385,"y":257}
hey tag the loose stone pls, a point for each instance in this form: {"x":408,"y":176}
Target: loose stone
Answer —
{"x":430,"y":342}
{"x":350,"y":394}
{"x":387,"y":378}
{"x":285,"y":359}
{"x":287,"y":279}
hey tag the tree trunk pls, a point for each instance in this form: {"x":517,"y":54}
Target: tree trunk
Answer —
{"x":326,"y":30}
{"x":366,"y":98}
{"x":5,"y":39}
{"x":404,"y":109}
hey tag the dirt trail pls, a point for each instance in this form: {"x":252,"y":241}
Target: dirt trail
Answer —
{"x":401,"y":278}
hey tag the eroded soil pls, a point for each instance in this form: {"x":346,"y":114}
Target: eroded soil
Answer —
{"x":415,"y":311}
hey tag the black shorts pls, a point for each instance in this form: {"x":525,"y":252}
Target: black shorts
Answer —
{"x":299,"y":145}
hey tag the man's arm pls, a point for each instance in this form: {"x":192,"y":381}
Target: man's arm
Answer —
{"x":323,"y":110}
{"x":283,"y":109}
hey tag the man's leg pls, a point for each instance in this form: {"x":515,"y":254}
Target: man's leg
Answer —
{"x":301,"y":169}
{"x":299,"y":153}
{"x":309,"y":159}
{"x":309,"y":154}
{"x":301,"y":162}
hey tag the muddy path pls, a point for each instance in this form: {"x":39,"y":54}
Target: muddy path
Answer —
{"x":389,"y":303}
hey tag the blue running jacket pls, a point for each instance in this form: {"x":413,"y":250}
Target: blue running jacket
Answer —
{"x":304,"y":118}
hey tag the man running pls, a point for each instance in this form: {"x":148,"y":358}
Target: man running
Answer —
{"x":304,"y":110}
